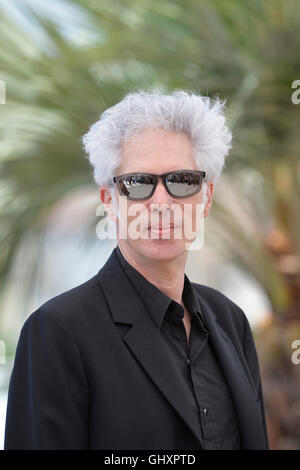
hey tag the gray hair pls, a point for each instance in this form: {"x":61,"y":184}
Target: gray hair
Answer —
{"x":200,"y":117}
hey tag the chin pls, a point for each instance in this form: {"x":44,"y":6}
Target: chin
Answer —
{"x":160,"y":249}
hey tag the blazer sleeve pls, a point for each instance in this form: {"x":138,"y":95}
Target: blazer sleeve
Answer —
{"x":253,"y":364}
{"x":48,"y":395}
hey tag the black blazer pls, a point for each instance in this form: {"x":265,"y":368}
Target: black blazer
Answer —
{"x":93,"y":372}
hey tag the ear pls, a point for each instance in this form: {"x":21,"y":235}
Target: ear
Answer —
{"x":209,"y":196}
{"x":106,"y":199}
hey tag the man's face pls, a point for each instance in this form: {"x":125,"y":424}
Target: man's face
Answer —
{"x":158,"y":152}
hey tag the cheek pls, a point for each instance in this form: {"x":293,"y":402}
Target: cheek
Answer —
{"x":134,"y":219}
{"x":192,"y":214}
{"x":186,"y":211}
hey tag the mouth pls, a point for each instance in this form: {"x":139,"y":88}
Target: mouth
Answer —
{"x":161,"y":230}
{"x":161,"y":227}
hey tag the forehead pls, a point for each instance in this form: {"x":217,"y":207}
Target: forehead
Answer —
{"x":157,"y":149}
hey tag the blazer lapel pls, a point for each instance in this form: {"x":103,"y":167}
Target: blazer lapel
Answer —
{"x":145,"y":341}
{"x":239,"y":381}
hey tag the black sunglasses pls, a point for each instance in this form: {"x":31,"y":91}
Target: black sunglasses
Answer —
{"x":178,"y":184}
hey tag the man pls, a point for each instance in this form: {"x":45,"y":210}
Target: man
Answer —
{"x":140,"y":357}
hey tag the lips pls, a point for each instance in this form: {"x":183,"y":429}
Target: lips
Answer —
{"x":160,"y":227}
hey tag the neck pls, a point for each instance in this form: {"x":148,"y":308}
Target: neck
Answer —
{"x":166,"y":275}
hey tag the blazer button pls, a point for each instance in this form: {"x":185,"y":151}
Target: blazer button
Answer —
{"x":205,"y":411}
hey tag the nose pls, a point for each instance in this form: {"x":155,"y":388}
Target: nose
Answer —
{"x":160,"y":195}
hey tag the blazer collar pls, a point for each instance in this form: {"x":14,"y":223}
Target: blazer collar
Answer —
{"x":149,"y":348}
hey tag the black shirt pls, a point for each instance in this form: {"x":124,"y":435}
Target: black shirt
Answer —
{"x":195,"y":361}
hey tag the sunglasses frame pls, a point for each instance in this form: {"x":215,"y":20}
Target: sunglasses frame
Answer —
{"x":116,"y":179}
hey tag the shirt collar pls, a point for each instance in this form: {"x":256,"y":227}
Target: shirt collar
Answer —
{"x":156,"y":302}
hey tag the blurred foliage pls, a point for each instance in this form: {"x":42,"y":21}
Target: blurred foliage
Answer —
{"x":246,"y":51}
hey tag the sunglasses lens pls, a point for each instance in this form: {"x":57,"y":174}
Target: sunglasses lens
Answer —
{"x":184,"y":184}
{"x":136,"y":186}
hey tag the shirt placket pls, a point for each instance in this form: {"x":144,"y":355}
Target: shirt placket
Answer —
{"x":198,"y":340}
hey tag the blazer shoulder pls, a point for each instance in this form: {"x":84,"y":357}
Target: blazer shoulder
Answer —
{"x":69,"y":305}
{"x":214,"y":295}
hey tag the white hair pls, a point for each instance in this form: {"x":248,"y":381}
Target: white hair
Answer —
{"x":200,"y":117}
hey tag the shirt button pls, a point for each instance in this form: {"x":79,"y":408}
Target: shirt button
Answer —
{"x":205,"y":411}
{"x":188,"y":361}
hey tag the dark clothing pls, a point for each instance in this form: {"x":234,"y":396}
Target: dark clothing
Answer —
{"x":93,"y":371}
{"x":195,"y":362}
